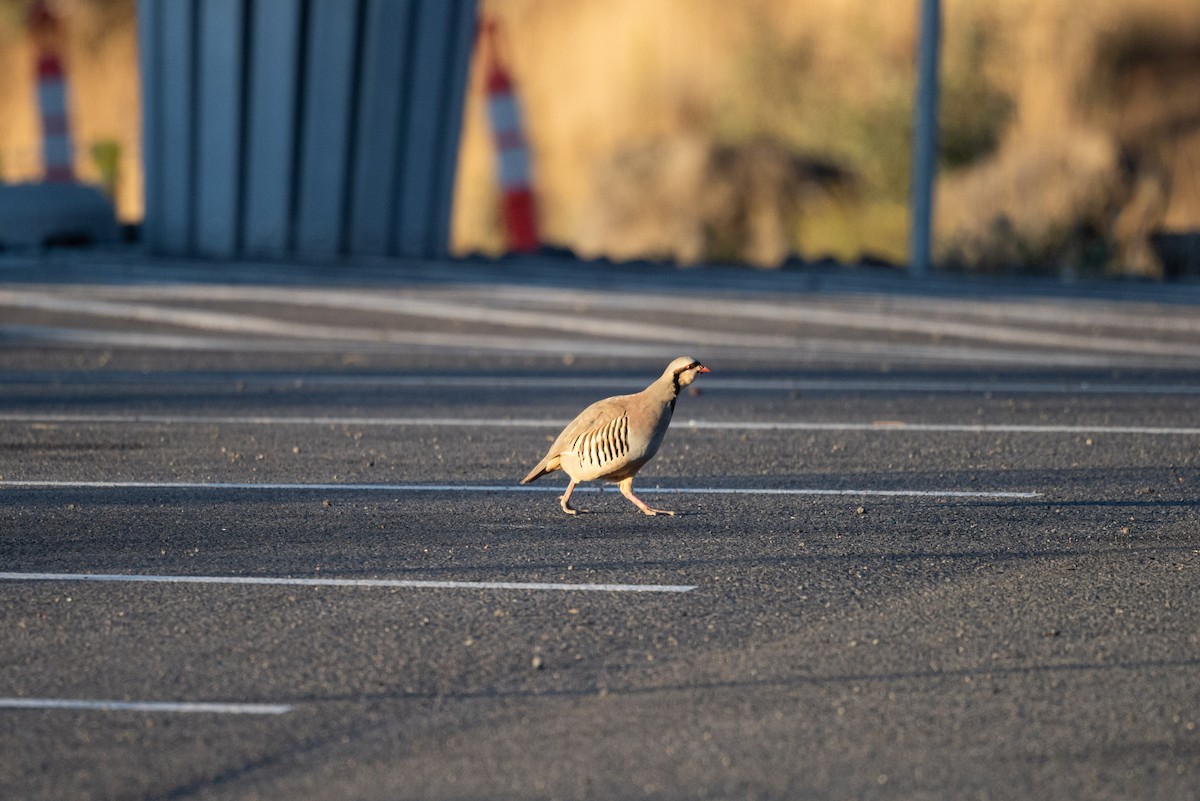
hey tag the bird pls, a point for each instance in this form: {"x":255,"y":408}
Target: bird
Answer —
{"x":613,"y":438}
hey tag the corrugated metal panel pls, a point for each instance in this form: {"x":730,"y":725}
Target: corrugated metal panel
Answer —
{"x":325,"y":133}
{"x":219,"y":109}
{"x":422,"y":134}
{"x":387,"y":47}
{"x":271,"y":104}
{"x":173,"y":103}
{"x":307,"y":127}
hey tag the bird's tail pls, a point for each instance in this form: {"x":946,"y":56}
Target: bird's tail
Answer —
{"x":542,"y":469}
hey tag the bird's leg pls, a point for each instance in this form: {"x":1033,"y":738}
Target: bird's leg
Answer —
{"x":626,"y":486}
{"x":566,"y":497}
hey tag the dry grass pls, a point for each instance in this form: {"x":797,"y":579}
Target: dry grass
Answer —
{"x":1104,"y":148}
{"x":601,"y":79}
{"x":1067,"y":137}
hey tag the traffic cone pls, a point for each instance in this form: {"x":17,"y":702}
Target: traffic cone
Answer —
{"x":52,"y":94}
{"x":512,"y":151}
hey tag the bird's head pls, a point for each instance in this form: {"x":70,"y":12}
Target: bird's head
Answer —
{"x":684,"y":370}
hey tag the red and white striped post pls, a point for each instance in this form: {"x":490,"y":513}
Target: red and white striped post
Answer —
{"x":52,"y":94}
{"x":512,"y":152}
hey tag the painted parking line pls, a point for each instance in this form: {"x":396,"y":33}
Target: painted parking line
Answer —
{"x":801,"y":350}
{"x":471,"y":422}
{"x":156,"y":303}
{"x":144,"y":706}
{"x":494,"y":488}
{"x":351,"y":583}
{"x":947,"y":428}
{"x":1056,"y":334}
{"x":300,"y":381}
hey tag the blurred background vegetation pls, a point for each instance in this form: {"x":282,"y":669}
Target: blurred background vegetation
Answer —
{"x":766,"y":130}
{"x":702,"y":129}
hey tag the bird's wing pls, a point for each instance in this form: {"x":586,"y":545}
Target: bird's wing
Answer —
{"x":597,"y":415}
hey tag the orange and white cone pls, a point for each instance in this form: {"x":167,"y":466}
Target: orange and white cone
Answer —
{"x":52,"y":95}
{"x":512,"y":153}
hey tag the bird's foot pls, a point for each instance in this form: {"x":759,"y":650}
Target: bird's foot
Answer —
{"x":646,"y":509}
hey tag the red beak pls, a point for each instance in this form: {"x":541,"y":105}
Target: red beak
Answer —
{"x":703,"y":369}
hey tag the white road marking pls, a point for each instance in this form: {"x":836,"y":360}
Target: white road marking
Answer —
{"x":145,"y":706}
{"x":1042,"y":331}
{"x":1079,"y":349}
{"x":882,"y":310}
{"x":961,"y":428}
{"x":300,"y":381}
{"x":318,"y":487}
{"x":873,"y":317}
{"x":803,"y":350}
{"x":527,"y":306}
{"x":712,"y":425}
{"x":259,"y":420}
{"x":372,"y":340}
{"x":823,"y":491}
{"x":333,"y":582}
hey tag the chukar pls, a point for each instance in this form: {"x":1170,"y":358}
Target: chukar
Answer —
{"x":614,"y":437}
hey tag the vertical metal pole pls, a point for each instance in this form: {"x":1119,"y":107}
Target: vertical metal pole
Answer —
{"x":925,"y":135}
{"x":149,"y":22}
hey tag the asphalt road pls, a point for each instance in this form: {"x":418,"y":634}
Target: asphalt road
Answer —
{"x":261,"y":536}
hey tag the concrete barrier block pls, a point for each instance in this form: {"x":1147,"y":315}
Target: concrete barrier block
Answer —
{"x":39,"y":215}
